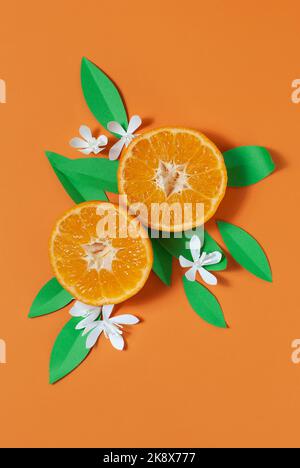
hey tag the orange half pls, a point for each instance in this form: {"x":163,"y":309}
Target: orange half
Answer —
{"x":99,"y":254}
{"x":175,"y":178}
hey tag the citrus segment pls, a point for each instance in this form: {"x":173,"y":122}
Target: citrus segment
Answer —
{"x":99,"y":254}
{"x":170,"y":166}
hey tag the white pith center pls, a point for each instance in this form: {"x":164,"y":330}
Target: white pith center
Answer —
{"x":100,"y":254}
{"x":171,"y":178}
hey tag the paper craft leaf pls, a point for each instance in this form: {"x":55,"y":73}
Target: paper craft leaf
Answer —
{"x":51,"y":297}
{"x":247,"y":165}
{"x":210,"y":245}
{"x":68,"y":352}
{"x":102,"y":96}
{"x":85,"y":179}
{"x":76,"y":196}
{"x":204,"y":303}
{"x":162,"y":262}
{"x":179,"y":246}
{"x":245,"y":250}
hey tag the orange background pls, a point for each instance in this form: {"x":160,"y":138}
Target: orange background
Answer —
{"x":221,"y":67}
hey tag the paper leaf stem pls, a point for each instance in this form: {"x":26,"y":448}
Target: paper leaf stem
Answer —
{"x":68,"y":352}
{"x":245,"y":250}
{"x":247,"y":165}
{"x":85,"y":179}
{"x":204,"y":303}
{"x":162,"y":262}
{"x":102,"y":96}
{"x":51,"y":297}
{"x":180,"y":246}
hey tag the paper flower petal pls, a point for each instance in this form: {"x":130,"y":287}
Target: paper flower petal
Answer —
{"x":117,"y":341}
{"x":126,"y":319}
{"x":91,"y":326}
{"x":86,"y":151}
{"x":93,"y":336}
{"x":78,"y":143}
{"x":115,"y":127}
{"x":116,"y":149}
{"x":90,"y":318}
{"x":102,"y":140}
{"x":208,"y":277}
{"x":184,"y":262}
{"x":191,"y":273}
{"x":195,"y":247}
{"x":85,"y":132}
{"x":80,"y":309}
{"x":134,"y":123}
{"x":212,"y":258}
{"x":106,"y":311}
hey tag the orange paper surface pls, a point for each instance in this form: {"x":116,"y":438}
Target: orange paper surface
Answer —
{"x":224,"y":68}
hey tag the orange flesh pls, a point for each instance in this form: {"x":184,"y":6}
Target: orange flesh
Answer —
{"x":98,"y":268}
{"x":173,"y":165}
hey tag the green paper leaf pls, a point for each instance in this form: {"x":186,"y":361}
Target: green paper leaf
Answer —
{"x":180,"y":246}
{"x":247,"y":165}
{"x":210,"y":245}
{"x":245,"y":250}
{"x":102,"y":96}
{"x":68,"y":352}
{"x":76,"y":196}
{"x":85,"y":179}
{"x":51,"y":297}
{"x":162,"y":262}
{"x":204,"y":303}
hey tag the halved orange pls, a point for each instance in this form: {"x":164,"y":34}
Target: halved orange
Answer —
{"x":99,"y":254}
{"x":168,"y":174}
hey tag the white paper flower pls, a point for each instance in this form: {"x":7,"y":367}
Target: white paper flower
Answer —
{"x":200,"y":260}
{"x":94,"y":327}
{"x":88,"y":144}
{"x":126,"y":135}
